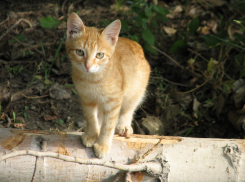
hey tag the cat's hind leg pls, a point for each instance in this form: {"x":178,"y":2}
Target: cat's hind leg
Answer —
{"x":128,"y":108}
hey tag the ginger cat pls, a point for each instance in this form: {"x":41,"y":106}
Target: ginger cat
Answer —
{"x":110,"y":74}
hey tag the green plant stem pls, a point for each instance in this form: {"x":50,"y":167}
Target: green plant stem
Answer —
{"x":14,"y":116}
{"x":44,"y":62}
{"x":197,"y":123}
{"x":228,"y":42}
{"x":56,"y":54}
{"x":237,"y":21}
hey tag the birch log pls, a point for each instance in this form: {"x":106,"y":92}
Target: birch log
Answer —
{"x":27,"y":155}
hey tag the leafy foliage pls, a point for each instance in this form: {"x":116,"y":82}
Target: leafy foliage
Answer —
{"x":16,"y":69}
{"x":216,"y":73}
{"x":194,"y":25}
{"x":144,"y":22}
{"x":49,"y":22}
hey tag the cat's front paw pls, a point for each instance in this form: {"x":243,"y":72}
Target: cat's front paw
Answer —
{"x":124,"y":130}
{"x":101,"y":150}
{"x":87,"y":140}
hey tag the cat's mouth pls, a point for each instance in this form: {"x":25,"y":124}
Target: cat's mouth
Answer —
{"x":91,"y":70}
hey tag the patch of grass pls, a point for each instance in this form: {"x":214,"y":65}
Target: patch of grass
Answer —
{"x":144,"y":22}
{"x":186,"y":135}
{"x":118,"y":4}
{"x":49,"y":22}
{"x":47,"y":68}
{"x":14,"y":116}
{"x":16,"y":69}
{"x":26,"y":108}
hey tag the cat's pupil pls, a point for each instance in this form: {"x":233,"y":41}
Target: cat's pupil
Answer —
{"x":79,"y":52}
{"x":100,"y":55}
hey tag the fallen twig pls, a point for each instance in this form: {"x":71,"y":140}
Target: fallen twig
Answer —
{"x":4,"y":21}
{"x":182,"y":67}
{"x":194,"y":88}
{"x":198,"y":55}
{"x":196,"y":74}
{"x":16,"y":62}
{"x":30,"y":46}
{"x":63,"y":7}
{"x":180,"y":84}
{"x":20,"y":20}
{"x":149,"y":166}
{"x":44,"y":44}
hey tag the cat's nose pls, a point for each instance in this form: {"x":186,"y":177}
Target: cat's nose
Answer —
{"x":87,"y":66}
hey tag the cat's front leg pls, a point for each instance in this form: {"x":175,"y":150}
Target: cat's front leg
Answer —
{"x":92,"y":129}
{"x":103,"y":144}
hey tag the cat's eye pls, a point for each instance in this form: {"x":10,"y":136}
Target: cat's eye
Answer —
{"x":100,"y":55}
{"x":80,"y":52}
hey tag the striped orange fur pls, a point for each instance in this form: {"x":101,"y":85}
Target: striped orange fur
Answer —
{"x":110,"y":74}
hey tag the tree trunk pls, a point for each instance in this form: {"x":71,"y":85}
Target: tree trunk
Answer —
{"x":32,"y":155}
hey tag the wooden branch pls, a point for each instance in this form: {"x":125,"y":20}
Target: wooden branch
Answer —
{"x":151,"y":166}
{"x":32,"y":155}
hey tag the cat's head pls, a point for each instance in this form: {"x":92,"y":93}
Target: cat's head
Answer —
{"x":90,"y":49}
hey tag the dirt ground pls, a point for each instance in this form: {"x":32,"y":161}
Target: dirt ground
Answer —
{"x":30,"y":102}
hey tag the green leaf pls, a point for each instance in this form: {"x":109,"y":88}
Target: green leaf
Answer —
{"x":26,"y":107}
{"x":228,"y":42}
{"x":134,"y":38}
{"x":144,"y":20}
{"x":14,"y":116}
{"x":154,"y":24}
{"x":240,"y":60}
{"x":227,"y":86}
{"x":161,"y":13}
{"x":20,"y":38}
{"x":210,"y":40}
{"x":223,"y":34}
{"x":212,"y":65}
{"x":148,"y":12}
{"x":143,"y":23}
{"x":60,"y":121}
{"x":18,"y":121}
{"x":159,"y":10}
{"x":193,"y":26}
{"x":241,"y":6}
{"x":48,"y":82}
{"x":179,"y":47}
{"x":148,"y":37}
{"x":124,"y":26}
{"x":242,"y":74}
{"x":49,"y":22}
{"x":25,"y":115}
{"x":150,"y":49}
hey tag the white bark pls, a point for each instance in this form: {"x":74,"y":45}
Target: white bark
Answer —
{"x":64,"y":158}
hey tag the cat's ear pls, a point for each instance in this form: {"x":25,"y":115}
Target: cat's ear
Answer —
{"x":112,"y":31}
{"x":74,"y":25}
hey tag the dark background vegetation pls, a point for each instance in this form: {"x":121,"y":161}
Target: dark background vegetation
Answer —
{"x":195,"y":49}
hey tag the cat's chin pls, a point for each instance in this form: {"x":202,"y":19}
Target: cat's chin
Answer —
{"x":92,"y":71}
{"x":89,"y":71}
